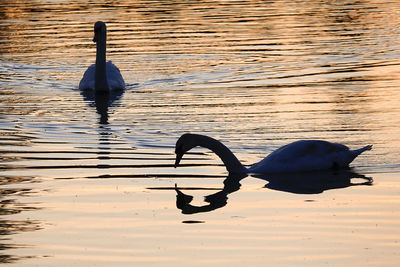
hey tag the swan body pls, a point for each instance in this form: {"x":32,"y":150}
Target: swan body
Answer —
{"x":114,"y":78}
{"x":299,"y":156}
{"x":102,"y":76}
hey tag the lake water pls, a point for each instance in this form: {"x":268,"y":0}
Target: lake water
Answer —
{"x":91,"y":183}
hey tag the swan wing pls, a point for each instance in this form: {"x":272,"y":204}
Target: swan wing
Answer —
{"x":87,"y":81}
{"x":304,"y":155}
{"x":114,"y":77}
{"x":306,"y":148}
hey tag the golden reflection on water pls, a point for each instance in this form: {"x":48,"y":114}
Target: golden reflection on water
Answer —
{"x":253,"y":74}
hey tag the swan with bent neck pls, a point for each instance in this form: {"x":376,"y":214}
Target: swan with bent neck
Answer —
{"x":102,"y":76}
{"x":299,"y":156}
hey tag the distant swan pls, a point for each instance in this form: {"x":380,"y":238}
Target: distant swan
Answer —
{"x":101,"y":76}
{"x":303,"y":155}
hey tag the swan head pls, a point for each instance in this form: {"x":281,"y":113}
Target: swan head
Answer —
{"x":183,"y":145}
{"x":99,"y":30}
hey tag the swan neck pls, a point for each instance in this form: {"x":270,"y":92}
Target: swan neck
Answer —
{"x":230,"y":161}
{"x":100,"y":73}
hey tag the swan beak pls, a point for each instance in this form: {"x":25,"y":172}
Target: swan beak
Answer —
{"x":178,"y":159}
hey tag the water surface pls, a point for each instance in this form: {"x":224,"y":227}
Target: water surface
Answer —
{"x":91,"y":182}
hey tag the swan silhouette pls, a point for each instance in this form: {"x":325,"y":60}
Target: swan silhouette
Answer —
{"x":102,"y":76}
{"x":299,"y":156}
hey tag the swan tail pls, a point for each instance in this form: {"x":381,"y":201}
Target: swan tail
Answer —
{"x":361,"y":150}
{"x":355,"y":153}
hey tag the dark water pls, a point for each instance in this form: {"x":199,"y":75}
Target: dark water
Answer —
{"x":253,"y":74}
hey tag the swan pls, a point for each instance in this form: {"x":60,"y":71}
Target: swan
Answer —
{"x":299,"y":156}
{"x":102,"y":76}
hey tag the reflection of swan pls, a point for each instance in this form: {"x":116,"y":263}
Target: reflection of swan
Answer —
{"x":304,"y":155}
{"x":314,"y":182}
{"x":101,"y":76}
{"x":297,"y":183}
{"x":102,"y":101}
